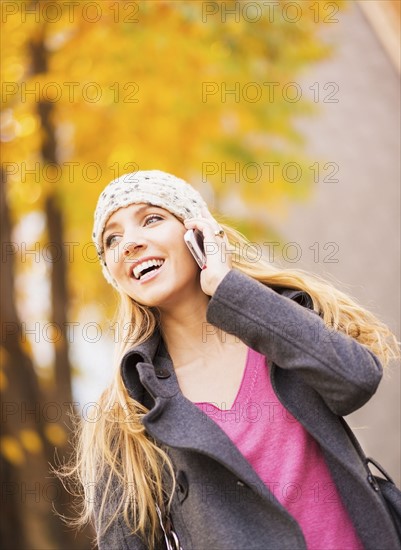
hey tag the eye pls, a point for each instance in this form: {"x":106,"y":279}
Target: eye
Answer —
{"x":111,"y":240}
{"x":154,"y":217}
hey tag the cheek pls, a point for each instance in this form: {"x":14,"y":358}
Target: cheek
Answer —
{"x":113,"y":261}
{"x":188,"y":263}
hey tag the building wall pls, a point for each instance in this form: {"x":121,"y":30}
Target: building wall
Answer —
{"x":361,"y":212}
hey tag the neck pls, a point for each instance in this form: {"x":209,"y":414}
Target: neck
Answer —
{"x":187,"y":334}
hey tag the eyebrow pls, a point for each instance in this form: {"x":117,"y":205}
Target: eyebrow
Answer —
{"x":110,"y":226}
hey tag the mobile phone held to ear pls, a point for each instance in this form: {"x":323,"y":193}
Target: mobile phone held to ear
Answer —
{"x":194,"y":241}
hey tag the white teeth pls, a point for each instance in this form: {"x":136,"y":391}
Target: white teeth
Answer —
{"x":145,"y":265}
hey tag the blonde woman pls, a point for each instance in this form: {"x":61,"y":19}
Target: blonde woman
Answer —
{"x":222,"y":426}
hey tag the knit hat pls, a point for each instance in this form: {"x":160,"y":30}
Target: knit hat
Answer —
{"x":145,"y":186}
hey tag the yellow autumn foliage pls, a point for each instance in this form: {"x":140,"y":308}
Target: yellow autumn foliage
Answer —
{"x":31,"y":441}
{"x":201,"y":89}
{"x":12,"y":450}
{"x":55,"y":434}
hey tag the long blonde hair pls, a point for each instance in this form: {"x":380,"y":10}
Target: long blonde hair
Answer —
{"x":115,"y":451}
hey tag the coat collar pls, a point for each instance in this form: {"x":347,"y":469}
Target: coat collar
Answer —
{"x":141,"y":353}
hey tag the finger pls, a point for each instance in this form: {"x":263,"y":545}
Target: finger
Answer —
{"x":207,"y":227}
{"x":207,"y":214}
{"x":197,"y":222}
{"x":206,"y":217}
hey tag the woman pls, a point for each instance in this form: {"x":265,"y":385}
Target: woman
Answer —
{"x":223,"y":420}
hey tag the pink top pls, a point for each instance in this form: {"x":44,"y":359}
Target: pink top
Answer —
{"x":287,"y":459}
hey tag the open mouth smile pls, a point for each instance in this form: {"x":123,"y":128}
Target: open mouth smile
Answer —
{"x":147,"y":270}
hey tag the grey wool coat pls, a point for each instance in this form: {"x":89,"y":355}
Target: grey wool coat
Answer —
{"x":318,"y":374}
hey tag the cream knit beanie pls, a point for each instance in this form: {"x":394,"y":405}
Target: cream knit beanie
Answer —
{"x":146,"y":186}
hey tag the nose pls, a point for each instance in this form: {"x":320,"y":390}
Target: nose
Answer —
{"x":131,"y":247}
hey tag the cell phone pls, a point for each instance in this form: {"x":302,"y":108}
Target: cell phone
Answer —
{"x":194,"y":241}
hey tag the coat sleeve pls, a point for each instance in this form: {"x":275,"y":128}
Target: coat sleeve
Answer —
{"x":345,"y":373}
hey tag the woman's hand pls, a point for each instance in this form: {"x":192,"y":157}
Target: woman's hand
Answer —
{"x":217,"y":251}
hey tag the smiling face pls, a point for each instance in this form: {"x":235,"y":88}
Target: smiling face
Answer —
{"x":146,"y":254}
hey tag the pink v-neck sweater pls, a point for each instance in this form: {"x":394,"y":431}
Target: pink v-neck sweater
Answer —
{"x":286,"y":457}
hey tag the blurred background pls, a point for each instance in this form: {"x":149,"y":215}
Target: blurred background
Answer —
{"x":284,"y":115}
